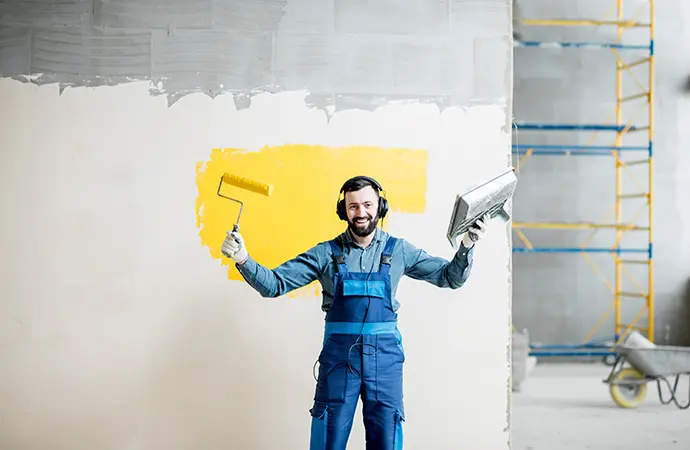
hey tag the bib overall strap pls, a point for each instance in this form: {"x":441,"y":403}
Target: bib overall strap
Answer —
{"x":338,"y":256}
{"x":387,"y":255}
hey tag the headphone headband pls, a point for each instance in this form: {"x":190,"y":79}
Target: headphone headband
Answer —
{"x":375,"y":184}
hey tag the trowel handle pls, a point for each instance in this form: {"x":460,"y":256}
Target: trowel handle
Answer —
{"x":502,"y":215}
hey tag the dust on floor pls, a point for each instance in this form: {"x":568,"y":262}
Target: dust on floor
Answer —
{"x":566,"y":407}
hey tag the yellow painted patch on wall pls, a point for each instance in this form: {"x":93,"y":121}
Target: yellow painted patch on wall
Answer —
{"x":300,"y":212}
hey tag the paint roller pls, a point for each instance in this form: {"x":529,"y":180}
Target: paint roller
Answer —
{"x":246,"y":184}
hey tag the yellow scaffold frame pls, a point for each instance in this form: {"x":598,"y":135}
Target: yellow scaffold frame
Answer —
{"x":621,"y":164}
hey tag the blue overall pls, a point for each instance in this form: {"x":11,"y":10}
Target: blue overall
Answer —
{"x":362,"y":354}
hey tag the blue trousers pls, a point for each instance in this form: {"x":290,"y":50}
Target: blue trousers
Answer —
{"x":374,"y":374}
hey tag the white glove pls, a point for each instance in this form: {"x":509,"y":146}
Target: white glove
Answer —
{"x":233,"y":247}
{"x":478,"y":229}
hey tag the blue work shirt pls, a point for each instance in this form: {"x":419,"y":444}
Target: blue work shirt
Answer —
{"x":317,"y":264}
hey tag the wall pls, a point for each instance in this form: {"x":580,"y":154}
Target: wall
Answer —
{"x":123,"y":327}
{"x":558,"y":297}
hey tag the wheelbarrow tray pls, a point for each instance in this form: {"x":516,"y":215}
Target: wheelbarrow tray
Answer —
{"x":659,"y":361}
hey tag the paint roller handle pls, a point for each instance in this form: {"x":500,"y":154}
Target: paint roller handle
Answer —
{"x":235,"y":233}
{"x":233,"y":247}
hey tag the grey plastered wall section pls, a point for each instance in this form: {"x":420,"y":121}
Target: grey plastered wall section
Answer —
{"x":558,"y":297}
{"x":345,"y":53}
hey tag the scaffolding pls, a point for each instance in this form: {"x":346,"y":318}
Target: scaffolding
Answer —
{"x":625,"y":157}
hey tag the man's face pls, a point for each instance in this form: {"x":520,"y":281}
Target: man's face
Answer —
{"x":362,"y":208}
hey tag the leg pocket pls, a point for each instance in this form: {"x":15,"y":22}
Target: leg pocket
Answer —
{"x":333,"y":370}
{"x":388,"y":386}
{"x":319,"y":426}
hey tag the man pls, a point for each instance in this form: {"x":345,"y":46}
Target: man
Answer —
{"x":362,"y":351}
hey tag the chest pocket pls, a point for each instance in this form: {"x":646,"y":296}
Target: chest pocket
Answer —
{"x":364,"y":288}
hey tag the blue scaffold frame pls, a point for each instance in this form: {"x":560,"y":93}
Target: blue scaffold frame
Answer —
{"x":602,"y":346}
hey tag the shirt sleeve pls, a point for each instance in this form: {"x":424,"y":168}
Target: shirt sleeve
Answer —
{"x":438,"y":271}
{"x":290,"y":275}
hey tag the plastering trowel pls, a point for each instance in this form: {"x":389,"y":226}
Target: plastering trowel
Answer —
{"x":489,"y":197}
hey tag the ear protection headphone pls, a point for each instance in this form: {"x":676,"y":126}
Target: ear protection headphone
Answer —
{"x":383,"y":203}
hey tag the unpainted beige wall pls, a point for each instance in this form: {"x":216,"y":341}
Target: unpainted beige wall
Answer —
{"x":120,"y":330}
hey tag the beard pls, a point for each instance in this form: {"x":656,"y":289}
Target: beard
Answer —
{"x":363,"y":228}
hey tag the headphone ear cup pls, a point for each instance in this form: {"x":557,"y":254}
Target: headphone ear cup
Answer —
{"x":340,"y":210}
{"x":383,"y":207}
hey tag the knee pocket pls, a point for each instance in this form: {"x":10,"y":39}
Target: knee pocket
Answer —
{"x":319,"y":426}
{"x":398,"y":431}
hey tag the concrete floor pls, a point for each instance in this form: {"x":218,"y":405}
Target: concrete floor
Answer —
{"x":566,"y":406}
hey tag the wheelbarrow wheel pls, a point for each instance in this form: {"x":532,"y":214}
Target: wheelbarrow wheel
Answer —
{"x":628,"y":395}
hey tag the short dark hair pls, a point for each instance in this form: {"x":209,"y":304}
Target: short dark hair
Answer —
{"x":357,"y":183}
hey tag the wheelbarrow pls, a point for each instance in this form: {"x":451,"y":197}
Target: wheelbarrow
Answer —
{"x":628,"y":385}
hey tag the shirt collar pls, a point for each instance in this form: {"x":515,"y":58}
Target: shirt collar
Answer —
{"x":347,"y":238}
